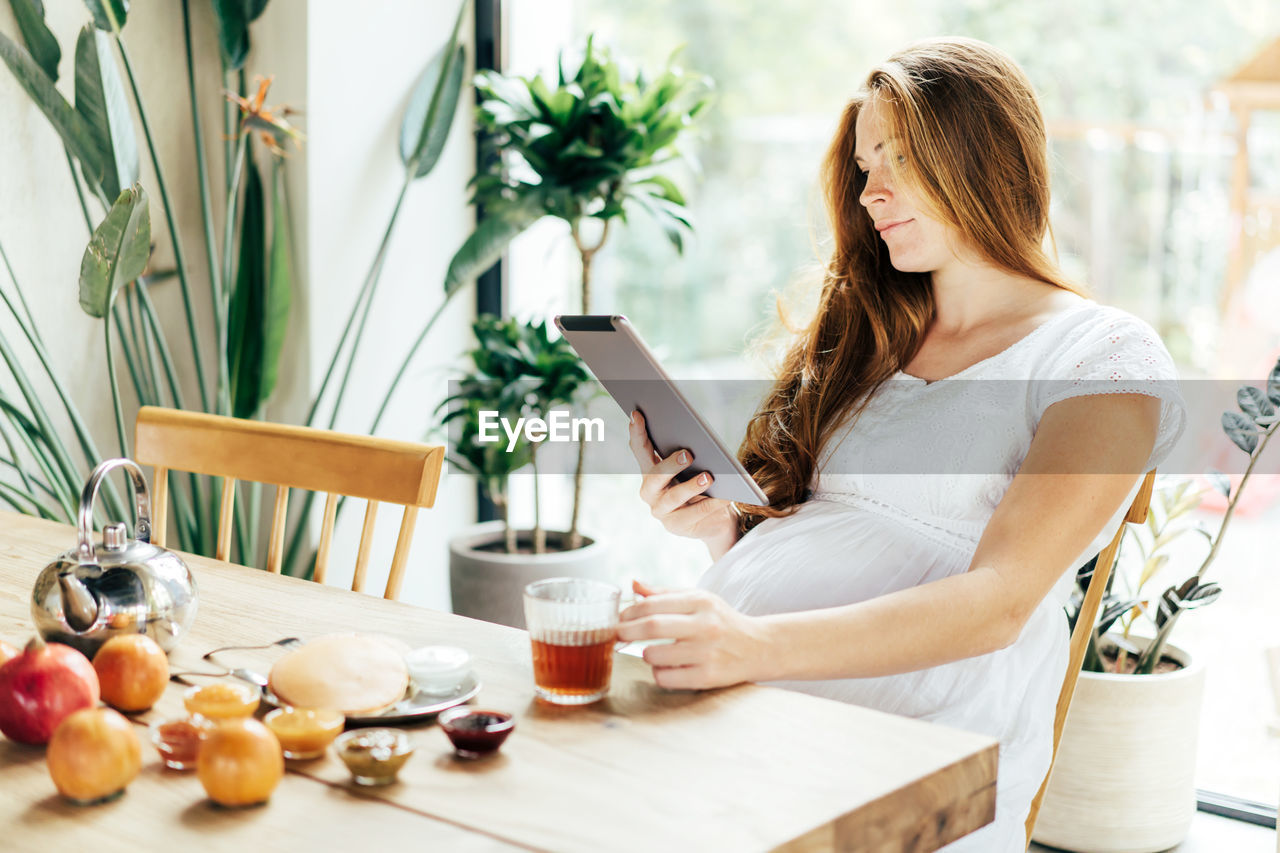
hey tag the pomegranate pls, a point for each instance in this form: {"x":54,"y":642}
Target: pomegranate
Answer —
{"x":40,"y":687}
{"x":7,"y":652}
{"x":132,"y":672}
{"x":93,"y":755}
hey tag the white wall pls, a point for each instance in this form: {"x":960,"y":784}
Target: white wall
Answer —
{"x":351,"y":75}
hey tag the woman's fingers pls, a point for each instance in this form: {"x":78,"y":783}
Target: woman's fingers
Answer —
{"x":687,"y":653}
{"x":676,"y":495}
{"x":658,"y":603}
{"x":663,"y":627}
{"x":642,"y":588}
{"x":641,"y":447}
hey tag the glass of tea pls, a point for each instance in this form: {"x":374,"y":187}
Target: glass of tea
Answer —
{"x":573,"y":628}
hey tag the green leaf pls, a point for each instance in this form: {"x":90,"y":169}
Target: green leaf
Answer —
{"x":234,"y":17}
{"x":669,"y":191}
{"x":1273,"y":385}
{"x":40,"y":41}
{"x":432,"y":106}
{"x":1219,"y":481}
{"x":484,"y":247}
{"x":76,"y":133}
{"x":279,"y":297}
{"x":109,"y":15}
{"x":245,"y":312}
{"x":1240,"y":430}
{"x":1254,"y":403}
{"x":259,"y":310}
{"x":117,"y":253}
{"x":101,"y":100}
{"x":1152,"y":568}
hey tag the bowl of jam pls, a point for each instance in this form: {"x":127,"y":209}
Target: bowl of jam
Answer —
{"x":178,"y":740}
{"x":475,"y":732}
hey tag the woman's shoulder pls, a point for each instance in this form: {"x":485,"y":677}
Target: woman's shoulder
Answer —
{"x":1091,"y":335}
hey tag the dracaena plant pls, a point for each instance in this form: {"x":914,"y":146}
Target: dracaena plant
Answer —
{"x":517,"y":371}
{"x":247,"y":256}
{"x":1168,"y":523}
{"x":589,"y":145}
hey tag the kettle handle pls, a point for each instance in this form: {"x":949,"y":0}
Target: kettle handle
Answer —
{"x":142,"y":532}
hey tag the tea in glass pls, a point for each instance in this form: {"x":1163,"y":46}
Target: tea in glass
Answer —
{"x":573,"y":627}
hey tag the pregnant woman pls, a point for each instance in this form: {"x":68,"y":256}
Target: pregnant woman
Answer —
{"x":955,"y":432}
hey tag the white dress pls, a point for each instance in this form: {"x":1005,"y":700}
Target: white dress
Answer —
{"x":902,"y":497}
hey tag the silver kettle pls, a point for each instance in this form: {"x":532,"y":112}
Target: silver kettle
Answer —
{"x":123,"y":586}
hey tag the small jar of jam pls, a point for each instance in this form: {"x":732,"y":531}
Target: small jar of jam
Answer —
{"x":374,"y":756}
{"x":305,"y":732}
{"x":222,"y":700}
{"x":178,"y":740}
{"x":475,"y":732}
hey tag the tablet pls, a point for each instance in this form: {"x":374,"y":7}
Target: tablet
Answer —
{"x":628,"y":370}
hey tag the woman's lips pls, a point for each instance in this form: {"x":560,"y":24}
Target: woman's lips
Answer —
{"x":892,"y":226}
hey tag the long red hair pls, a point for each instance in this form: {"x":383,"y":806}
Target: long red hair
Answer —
{"x":969,"y":124}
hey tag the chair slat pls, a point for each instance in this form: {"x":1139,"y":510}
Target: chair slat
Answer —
{"x":226,"y":520}
{"x":366,"y":545}
{"x":396,"y":577}
{"x":159,"y":506}
{"x":275,"y":553}
{"x":1085,"y":619}
{"x":326,"y":537}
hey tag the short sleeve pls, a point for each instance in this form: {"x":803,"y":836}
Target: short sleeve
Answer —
{"x":1114,"y":352}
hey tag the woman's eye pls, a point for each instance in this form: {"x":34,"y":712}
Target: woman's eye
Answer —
{"x":902,"y":159}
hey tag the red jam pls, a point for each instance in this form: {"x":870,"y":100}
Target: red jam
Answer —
{"x":475,"y":733}
{"x":178,"y":742}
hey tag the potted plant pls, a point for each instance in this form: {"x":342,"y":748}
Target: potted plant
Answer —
{"x":587,"y":147}
{"x":517,"y":373}
{"x":1124,"y":777}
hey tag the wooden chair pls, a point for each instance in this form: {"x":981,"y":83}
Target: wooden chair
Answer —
{"x":1088,"y":615}
{"x":338,"y":464}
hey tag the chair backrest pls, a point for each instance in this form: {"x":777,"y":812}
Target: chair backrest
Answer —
{"x":1085,"y":620}
{"x":337,"y":464}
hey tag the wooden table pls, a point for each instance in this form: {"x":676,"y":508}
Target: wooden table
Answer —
{"x":744,"y":768}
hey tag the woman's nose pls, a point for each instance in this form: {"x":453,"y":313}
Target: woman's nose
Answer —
{"x":877,"y":188}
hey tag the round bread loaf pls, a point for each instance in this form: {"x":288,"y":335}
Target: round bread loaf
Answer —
{"x":351,"y":673}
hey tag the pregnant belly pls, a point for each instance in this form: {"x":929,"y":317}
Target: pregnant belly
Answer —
{"x":825,"y":555}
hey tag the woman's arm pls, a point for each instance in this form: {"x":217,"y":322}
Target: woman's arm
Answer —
{"x":1083,"y":462}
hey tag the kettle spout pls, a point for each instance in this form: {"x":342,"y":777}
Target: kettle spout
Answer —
{"x":78,"y":602}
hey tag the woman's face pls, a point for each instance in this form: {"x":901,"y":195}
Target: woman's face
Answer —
{"x":916,"y":241}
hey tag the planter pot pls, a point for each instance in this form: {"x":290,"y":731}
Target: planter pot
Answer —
{"x":488,"y":583}
{"x":1124,"y":779}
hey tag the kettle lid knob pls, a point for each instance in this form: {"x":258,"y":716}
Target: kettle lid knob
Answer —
{"x":115,"y":537}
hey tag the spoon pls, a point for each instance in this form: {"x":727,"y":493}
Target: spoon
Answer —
{"x":248,"y":675}
{"x":287,"y":642}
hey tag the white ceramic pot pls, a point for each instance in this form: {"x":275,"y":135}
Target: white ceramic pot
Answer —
{"x":1124,"y":779}
{"x":489,"y":584}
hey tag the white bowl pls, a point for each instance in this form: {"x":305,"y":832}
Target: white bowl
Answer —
{"x":438,"y":670}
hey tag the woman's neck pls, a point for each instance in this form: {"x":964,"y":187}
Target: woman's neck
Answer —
{"x":970,"y":294}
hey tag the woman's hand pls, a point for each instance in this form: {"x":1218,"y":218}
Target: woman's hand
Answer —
{"x":715,"y":645}
{"x":681,"y":507}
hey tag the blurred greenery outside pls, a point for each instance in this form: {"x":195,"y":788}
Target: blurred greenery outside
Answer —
{"x":1142,"y":159}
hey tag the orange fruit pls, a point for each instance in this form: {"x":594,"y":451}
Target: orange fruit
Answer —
{"x":240,"y":762}
{"x":93,"y":754}
{"x":132,"y":671}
